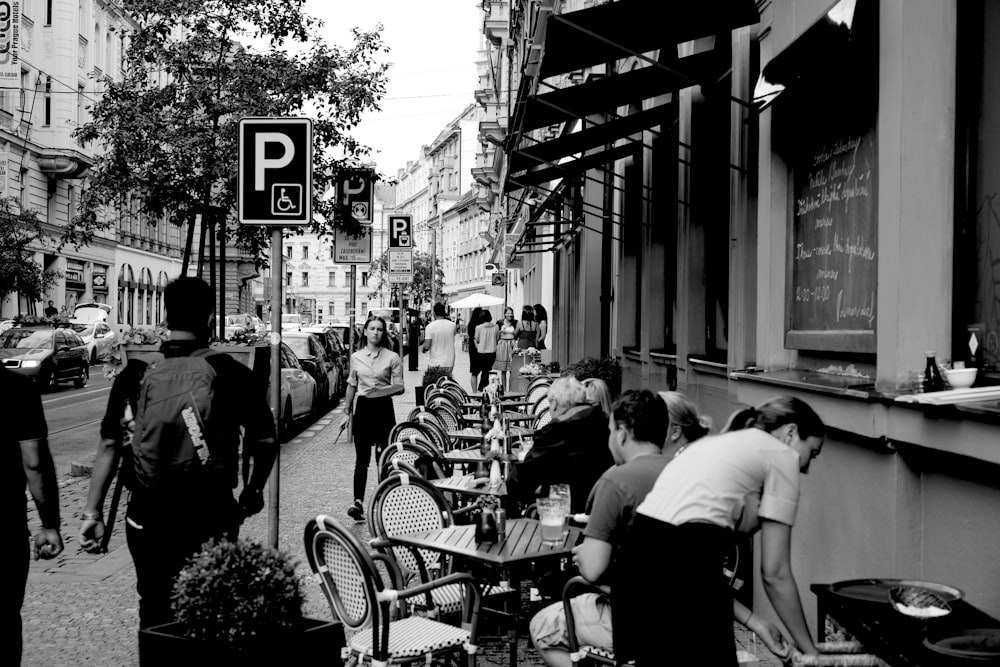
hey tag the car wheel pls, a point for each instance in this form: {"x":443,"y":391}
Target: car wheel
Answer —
{"x":81,"y":381}
{"x":93,"y":355}
{"x":53,"y":380}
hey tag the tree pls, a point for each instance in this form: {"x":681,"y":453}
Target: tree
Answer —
{"x":419,"y":290}
{"x":20,"y":231}
{"x":168,"y":130}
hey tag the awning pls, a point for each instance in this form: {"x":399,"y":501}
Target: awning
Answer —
{"x":820,"y":49}
{"x":609,"y":32}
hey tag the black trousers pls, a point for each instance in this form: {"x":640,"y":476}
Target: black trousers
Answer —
{"x":486,"y":365}
{"x":162,"y":535}
{"x":12,"y":597}
{"x":373,"y":420}
{"x":670,"y":600}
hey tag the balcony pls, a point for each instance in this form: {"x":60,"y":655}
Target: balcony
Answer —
{"x":496,"y":25}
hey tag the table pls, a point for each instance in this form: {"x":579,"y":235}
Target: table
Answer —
{"x":506,"y":395}
{"x":893,"y":637}
{"x":521,"y":545}
{"x":468,"y":484}
{"x":472,"y":434}
{"x":509,"y":415}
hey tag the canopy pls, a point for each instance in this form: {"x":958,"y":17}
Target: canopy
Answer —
{"x":479,"y":299}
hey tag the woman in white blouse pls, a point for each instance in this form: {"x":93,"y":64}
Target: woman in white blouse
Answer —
{"x":671,"y":599}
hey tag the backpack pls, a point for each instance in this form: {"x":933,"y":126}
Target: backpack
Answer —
{"x":173,"y":421}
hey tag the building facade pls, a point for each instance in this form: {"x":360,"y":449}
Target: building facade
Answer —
{"x":782,"y":197}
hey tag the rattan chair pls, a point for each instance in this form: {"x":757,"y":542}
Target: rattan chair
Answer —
{"x":361,"y":599}
{"x":540,"y":405}
{"x":435,"y":428}
{"x":543,"y":418}
{"x":420,"y":453}
{"x":397,"y":466}
{"x":448,"y":415}
{"x":582,"y":654}
{"x":420,"y":413}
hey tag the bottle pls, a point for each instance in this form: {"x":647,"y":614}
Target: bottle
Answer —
{"x":932,"y":375}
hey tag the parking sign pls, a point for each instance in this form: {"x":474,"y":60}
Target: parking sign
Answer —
{"x":356,"y":191}
{"x":275,"y":171}
{"x":400,"y":231}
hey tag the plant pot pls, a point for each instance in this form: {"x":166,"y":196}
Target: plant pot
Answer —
{"x":166,"y":645}
{"x":418,"y":392}
{"x":133,"y":351}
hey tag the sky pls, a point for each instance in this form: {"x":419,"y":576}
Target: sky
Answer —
{"x":433,"y":74}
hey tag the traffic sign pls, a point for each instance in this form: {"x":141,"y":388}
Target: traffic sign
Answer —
{"x":400,"y":231}
{"x":400,"y":265}
{"x":356,"y":192}
{"x":347,"y":250}
{"x":498,"y":279}
{"x":275,"y":171}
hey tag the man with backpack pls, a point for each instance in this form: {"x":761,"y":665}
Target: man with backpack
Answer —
{"x":182,"y":464}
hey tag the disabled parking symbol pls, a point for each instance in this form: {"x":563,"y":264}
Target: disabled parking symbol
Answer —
{"x":286,"y":199}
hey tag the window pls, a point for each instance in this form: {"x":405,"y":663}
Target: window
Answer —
{"x":288,"y":251}
{"x":48,"y":12}
{"x":330,"y":308}
{"x":25,"y":85}
{"x":347,"y":308}
{"x":305,"y":279}
{"x":47,"y":108}
{"x":288,"y":279}
{"x":79,"y":105}
{"x":333,"y":250}
{"x":331,"y":279}
{"x":364,"y":279}
{"x":305,"y":252}
{"x":364,"y":306}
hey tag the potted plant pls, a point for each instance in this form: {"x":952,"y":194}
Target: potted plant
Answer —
{"x":130,"y":343}
{"x":431,"y":376}
{"x":607,"y":369}
{"x":238,"y":601}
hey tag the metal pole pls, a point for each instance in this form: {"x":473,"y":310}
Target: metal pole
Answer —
{"x":274,"y":481}
{"x":352,"y":310}
{"x":222,"y":277}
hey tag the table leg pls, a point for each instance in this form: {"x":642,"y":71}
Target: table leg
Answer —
{"x":820,"y":619}
{"x":514,"y":608}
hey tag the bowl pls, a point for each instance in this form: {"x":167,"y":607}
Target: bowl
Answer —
{"x":960,"y":378}
{"x":917,"y":602}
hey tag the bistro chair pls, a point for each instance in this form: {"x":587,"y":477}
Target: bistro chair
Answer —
{"x":435,"y":428}
{"x":543,"y":418}
{"x":536,"y":393}
{"x":406,"y":504}
{"x":404,"y":430}
{"x":449,"y":416}
{"x":397,"y":466}
{"x":540,"y":381}
{"x":420,"y":414}
{"x":541,"y":404}
{"x":420,"y":453}
{"x":588,"y":654}
{"x":361,"y":599}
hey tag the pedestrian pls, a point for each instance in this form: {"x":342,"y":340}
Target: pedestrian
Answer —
{"x":487,"y":334}
{"x":525,"y":334}
{"x":27,"y":462}
{"x":376,"y":376}
{"x":439,"y":340}
{"x":51,"y":310}
{"x":475,"y":363}
{"x":505,"y":345}
{"x":685,"y":527}
{"x":182,"y":466}
{"x":542,"y":319}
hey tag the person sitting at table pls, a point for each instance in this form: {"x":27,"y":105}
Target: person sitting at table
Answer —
{"x":598,"y":394}
{"x":684,"y":528}
{"x":570,"y":449}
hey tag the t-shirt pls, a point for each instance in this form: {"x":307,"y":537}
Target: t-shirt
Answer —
{"x":27,"y":422}
{"x":712,"y":479}
{"x":238,"y":399}
{"x":617,"y":493}
{"x":441,"y":334}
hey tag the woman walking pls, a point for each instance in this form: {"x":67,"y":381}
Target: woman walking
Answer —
{"x":505,"y":346}
{"x":475,"y":359}
{"x":376,"y":375}
{"x":684,"y":529}
{"x":487,"y":334}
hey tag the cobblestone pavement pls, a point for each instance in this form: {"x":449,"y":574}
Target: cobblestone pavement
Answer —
{"x":82,"y":609}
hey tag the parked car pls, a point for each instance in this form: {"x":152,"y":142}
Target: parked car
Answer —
{"x":239,"y":323}
{"x":298,"y":389}
{"x":47,"y":355}
{"x":341,"y":329}
{"x":98,"y":337}
{"x":312,"y":353}
{"x":398,"y":332}
{"x":86,"y":313}
{"x":336,"y":351}
{"x":291,"y":322}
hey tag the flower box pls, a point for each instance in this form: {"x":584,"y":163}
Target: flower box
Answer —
{"x":167,"y":646}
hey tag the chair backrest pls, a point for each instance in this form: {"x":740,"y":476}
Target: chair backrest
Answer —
{"x":418,"y":414}
{"x":536,"y":392}
{"x":448,"y":415}
{"x":456,"y":392}
{"x":436,"y":429}
{"x":541,"y":404}
{"x":398,"y":466}
{"x":543,"y":418}
{"x":403,"y":430}
{"x":346,"y":572}
{"x":430,"y":392}
{"x":419,"y":452}
{"x":408,"y":505}
{"x":538,"y":382}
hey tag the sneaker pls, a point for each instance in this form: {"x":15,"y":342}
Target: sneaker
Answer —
{"x":356,"y":511}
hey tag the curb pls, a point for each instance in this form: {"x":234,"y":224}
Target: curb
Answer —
{"x":80,"y":469}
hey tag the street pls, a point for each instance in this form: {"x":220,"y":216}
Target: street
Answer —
{"x":74,"y":419}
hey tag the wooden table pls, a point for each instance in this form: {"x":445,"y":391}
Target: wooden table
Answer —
{"x":476,"y":435}
{"x":469,"y":485}
{"x":478,"y":396}
{"x":509,"y":415}
{"x":521,"y":546}
{"x":888,"y":634}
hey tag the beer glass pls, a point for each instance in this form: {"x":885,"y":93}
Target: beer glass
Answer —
{"x":552,"y":518}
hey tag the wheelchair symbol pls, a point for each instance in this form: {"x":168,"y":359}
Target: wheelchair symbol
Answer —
{"x":286,"y":199}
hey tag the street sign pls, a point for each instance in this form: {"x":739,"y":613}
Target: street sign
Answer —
{"x":356,"y":191}
{"x":516,"y":262}
{"x":347,"y":250}
{"x":400,"y":231}
{"x":498,"y":279}
{"x":275,"y":171}
{"x":400,"y":265}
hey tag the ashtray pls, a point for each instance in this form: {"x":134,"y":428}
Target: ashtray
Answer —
{"x":918,"y":602}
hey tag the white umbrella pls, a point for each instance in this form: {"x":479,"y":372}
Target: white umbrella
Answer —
{"x":474,"y":300}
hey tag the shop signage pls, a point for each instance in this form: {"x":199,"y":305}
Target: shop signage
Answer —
{"x":10,"y":47}
{"x":275,"y":171}
{"x":347,"y":250}
{"x":99,"y":281}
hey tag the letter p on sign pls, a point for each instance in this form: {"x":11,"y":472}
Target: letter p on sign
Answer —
{"x":275,"y":171}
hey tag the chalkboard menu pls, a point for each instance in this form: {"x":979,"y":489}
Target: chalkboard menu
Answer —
{"x":833,"y":254}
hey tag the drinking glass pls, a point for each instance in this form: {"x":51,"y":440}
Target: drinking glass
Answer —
{"x":560,"y":493}
{"x":552,"y":518}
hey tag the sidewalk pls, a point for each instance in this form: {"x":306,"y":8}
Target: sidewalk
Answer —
{"x":83,"y":609}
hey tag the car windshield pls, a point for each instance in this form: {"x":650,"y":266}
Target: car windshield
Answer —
{"x":26,"y":338}
{"x":84,"y":329}
{"x":234,"y":321}
{"x":300,"y":346}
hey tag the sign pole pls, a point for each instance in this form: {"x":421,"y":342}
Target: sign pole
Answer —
{"x":352,"y":310}
{"x":274,"y":480}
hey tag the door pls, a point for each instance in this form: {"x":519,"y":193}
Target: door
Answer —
{"x":298,"y":384}
{"x":61,"y":356}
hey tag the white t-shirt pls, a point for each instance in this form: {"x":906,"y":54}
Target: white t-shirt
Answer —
{"x":441,"y":334}
{"x":714,"y":478}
